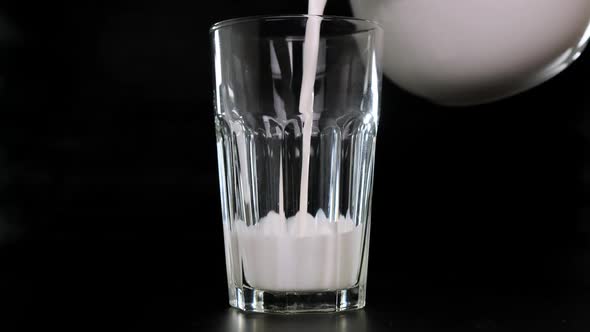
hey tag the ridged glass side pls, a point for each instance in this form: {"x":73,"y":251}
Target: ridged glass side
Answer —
{"x":280,"y":258}
{"x":260,"y":175}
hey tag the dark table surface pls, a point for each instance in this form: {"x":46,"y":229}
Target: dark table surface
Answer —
{"x":109,"y":203}
{"x":178,"y":283}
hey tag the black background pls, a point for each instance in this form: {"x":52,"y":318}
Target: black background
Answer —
{"x":109,"y":202}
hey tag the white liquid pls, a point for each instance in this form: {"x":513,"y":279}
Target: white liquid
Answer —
{"x":310,"y":64}
{"x":463,"y":52}
{"x":301,"y":253}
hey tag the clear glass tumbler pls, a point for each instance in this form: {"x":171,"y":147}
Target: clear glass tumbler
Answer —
{"x":293,"y":245}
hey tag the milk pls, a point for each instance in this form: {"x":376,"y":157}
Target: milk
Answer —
{"x":303,"y":252}
{"x":310,"y":63}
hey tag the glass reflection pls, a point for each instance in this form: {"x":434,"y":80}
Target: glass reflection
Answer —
{"x":235,"y":320}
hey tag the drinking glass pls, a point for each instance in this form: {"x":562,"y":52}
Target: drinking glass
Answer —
{"x":293,"y":245}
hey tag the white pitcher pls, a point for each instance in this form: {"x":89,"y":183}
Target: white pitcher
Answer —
{"x":465,"y":52}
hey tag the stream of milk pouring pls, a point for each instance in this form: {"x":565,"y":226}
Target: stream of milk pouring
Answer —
{"x":310,"y":62}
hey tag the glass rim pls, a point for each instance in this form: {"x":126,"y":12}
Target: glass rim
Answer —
{"x":257,"y":18}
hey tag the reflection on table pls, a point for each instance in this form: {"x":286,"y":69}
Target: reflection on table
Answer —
{"x":235,"y":320}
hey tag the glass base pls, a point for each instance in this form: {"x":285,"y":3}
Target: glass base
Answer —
{"x":255,"y":300}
